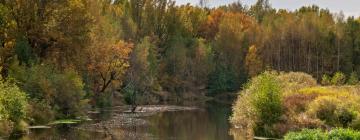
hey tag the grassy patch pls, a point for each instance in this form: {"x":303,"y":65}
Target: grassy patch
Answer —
{"x":65,"y":121}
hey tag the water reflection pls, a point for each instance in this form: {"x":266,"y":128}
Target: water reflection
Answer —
{"x":210,"y":122}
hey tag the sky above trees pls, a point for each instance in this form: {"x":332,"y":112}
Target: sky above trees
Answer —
{"x":349,"y":7}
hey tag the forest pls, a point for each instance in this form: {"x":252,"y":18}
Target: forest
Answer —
{"x":59,"y":59}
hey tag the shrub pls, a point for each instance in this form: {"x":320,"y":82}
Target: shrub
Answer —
{"x":62,"y":91}
{"x":343,"y":134}
{"x":334,"y":111}
{"x":6,"y":127}
{"x":338,"y":79}
{"x":356,"y":123}
{"x":326,"y":80}
{"x":294,"y":81}
{"x":306,"y":134}
{"x":297,"y":103}
{"x":222,"y":80}
{"x":40,"y":112}
{"x":324,"y":109}
{"x":13,"y":102}
{"x":267,"y":98}
{"x":243,"y":112}
{"x":259,"y":105}
{"x":69,"y":95}
{"x":353,"y":79}
{"x":316,"y":134}
{"x":302,"y":105}
{"x":344,"y":116}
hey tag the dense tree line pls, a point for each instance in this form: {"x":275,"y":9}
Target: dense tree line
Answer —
{"x":69,"y":54}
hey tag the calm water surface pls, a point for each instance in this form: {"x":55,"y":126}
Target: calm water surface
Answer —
{"x":209,"y":122}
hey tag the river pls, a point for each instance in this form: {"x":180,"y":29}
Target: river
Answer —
{"x":208,"y":121}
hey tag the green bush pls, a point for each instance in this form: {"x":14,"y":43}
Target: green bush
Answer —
{"x":13,"y":102}
{"x":333,"y":111}
{"x":222,"y":80}
{"x":130,"y":94}
{"x":23,"y":50}
{"x":344,"y":116}
{"x":267,"y":98}
{"x":40,"y":112}
{"x":324,"y":109}
{"x":343,"y":134}
{"x":353,"y":79}
{"x":316,"y":134}
{"x":259,"y":106}
{"x":336,"y":105}
{"x":306,"y":134}
{"x":63,"y":91}
{"x":69,"y":94}
{"x":326,"y":80}
{"x":338,"y":79}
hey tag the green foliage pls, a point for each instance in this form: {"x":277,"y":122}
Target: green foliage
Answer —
{"x":338,"y":79}
{"x":324,"y":109}
{"x":306,"y":134}
{"x":229,"y":71}
{"x":40,"y":112}
{"x":316,"y":134}
{"x":68,"y":94}
{"x":326,"y":80}
{"x":343,"y":134}
{"x":267,"y":98}
{"x":13,"y":102}
{"x":130,"y":94}
{"x":353,"y":79}
{"x":265,"y":102}
{"x":62,"y":91}
{"x":23,"y":51}
{"x":144,"y":67}
{"x":66,"y":121}
{"x":222,"y":80}
{"x":104,"y":100}
{"x":333,"y":111}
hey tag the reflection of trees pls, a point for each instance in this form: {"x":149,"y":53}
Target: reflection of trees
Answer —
{"x":62,"y":133}
{"x":184,"y":125}
{"x":219,"y":115}
{"x":207,"y":124}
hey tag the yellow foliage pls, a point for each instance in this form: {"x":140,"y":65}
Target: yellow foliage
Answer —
{"x":253,"y":61}
{"x":326,"y":91}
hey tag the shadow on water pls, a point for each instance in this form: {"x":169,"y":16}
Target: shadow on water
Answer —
{"x":209,"y":122}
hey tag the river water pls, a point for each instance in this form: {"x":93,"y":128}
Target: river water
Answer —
{"x":208,"y":121}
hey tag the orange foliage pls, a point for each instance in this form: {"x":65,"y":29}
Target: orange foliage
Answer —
{"x":108,"y":64}
{"x":210,"y":28}
{"x":253,"y":61}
